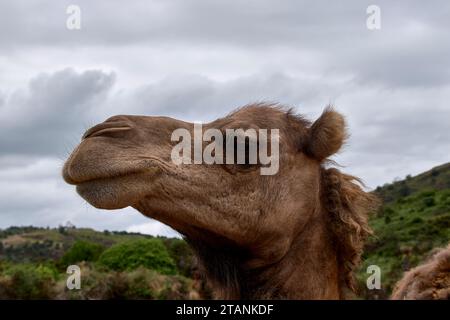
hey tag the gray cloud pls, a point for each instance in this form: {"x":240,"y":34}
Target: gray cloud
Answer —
{"x":411,"y":49}
{"x":44,"y":116}
{"x":200,"y":98}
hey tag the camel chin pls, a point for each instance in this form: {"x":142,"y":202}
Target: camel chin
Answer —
{"x":116,"y":192}
{"x":103,"y":194}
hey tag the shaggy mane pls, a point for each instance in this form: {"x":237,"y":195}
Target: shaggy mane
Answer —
{"x":347,"y":205}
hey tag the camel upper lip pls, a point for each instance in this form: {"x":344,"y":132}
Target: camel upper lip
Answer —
{"x":106,"y":127}
{"x":69,"y":179}
{"x":139,"y":168}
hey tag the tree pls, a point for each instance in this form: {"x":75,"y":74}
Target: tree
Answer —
{"x":62,"y":230}
{"x":148,"y":253}
{"x":82,"y":251}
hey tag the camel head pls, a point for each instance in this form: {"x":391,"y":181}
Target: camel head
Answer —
{"x":239,"y":221}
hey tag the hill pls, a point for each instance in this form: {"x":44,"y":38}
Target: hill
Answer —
{"x":413,"y":220}
{"x":438,"y":178}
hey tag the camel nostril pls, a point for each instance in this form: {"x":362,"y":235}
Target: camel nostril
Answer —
{"x":106,"y":128}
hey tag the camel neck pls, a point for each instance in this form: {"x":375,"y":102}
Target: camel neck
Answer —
{"x":309,"y":270}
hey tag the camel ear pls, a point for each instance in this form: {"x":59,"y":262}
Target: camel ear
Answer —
{"x":326,"y":135}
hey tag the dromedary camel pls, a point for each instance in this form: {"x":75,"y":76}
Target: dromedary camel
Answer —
{"x":430,"y":280}
{"x":297,"y":234}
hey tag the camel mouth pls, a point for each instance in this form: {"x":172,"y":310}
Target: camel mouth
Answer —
{"x":99,"y":177}
{"x":104,"y":178}
{"x":76,"y":173}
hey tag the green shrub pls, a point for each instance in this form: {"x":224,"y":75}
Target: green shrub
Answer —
{"x":182,"y":254}
{"x":81,"y":251}
{"x":176,"y":287}
{"x":417,"y":220}
{"x":148,"y":253}
{"x":427,"y":193}
{"x":404,"y":191}
{"x":140,"y":283}
{"x":428,"y":201}
{"x":28,"y":281}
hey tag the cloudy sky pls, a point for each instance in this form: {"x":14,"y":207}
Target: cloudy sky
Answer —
{"x":199,"y":59}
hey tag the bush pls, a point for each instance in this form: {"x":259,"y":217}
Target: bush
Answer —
{"x":428,"y":201}
{"x":404,"y":190}
{"x":28,"y":281}
{"x":140,"y":283}
{"x":417,"y":220}
{"x":148,"y":253}
{"x":182,"y":254}
{"x":62,"y":230}
{"x":81,"y":251}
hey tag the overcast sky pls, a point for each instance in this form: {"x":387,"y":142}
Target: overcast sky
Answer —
{"x":197,"y":60}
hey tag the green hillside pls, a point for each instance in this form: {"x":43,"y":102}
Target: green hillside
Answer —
{"x":414,"y":220}
{"x":438,"y":178}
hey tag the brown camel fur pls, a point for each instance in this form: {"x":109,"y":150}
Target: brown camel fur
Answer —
{"x":297,"y":234}
{"x":430,"y":280}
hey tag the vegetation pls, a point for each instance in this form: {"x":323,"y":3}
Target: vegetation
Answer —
{"x":414,"y":220}
{"x":81,"y":251}
{"x":141,"y":283}
{"x":147,"y":253}
{"x":114,"y":265}
{"x":27,"y":281}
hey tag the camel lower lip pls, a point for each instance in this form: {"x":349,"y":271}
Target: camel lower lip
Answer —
{"x":109,"y":193}
{"x":98,"y":179}
{"x":102,"y":193}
